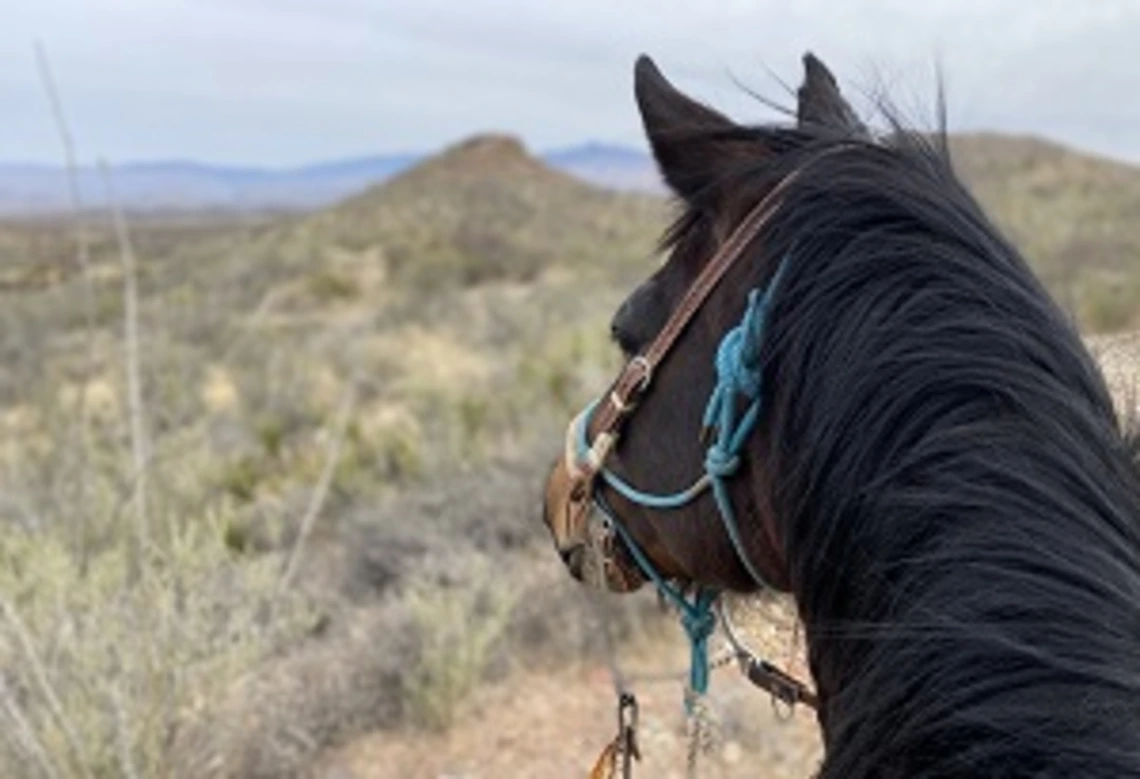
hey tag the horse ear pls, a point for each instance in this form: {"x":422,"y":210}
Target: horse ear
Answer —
{"x":682,"y":133}
{"x":820,"y":105}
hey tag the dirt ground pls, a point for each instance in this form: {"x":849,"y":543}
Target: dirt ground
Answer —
{"x":1119,"y":358}
{"x":554,"y":724}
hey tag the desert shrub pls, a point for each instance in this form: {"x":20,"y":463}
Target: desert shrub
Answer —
{"x":344,"y":678}
{"x":457,"y":629}
{"x":329,"y":285}
{"x":101,"y":665}
{"x":271,"y":430}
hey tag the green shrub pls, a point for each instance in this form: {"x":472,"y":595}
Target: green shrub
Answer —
{"x":271,"y":432}
{"x":242,"y":476}
{"x":457,"y":631}
{"x":105,"y":663}
{"x":329,"y":284}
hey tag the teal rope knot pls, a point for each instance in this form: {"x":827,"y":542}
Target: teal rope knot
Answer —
{"x":736,"y":363}
{"x":699,"y":622}
{"x":697,"y":616}
{"x":751,"y":327}
{"x":721,"y":463}
{"x":738,"y":374}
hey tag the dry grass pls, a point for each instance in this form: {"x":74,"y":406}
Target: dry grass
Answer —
{"x":104,"y":665}
{"x":1073,"y":214}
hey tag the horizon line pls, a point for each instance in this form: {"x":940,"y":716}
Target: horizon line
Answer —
{"x":408,"y":154}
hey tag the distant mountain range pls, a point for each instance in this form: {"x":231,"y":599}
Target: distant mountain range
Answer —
{"x":177,"y":185}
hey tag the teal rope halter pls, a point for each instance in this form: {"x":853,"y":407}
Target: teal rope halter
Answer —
{"x":739,"y":376}
{"x":697,"y":617}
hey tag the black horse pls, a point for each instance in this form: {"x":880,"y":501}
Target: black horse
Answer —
{"x":936,"y":471}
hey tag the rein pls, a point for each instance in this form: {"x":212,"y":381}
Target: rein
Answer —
{"x":738,"y":376}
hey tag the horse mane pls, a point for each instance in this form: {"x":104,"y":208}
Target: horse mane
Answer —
{"x":959,"y":504}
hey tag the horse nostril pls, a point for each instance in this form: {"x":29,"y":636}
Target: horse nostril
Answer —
{"x":573,"y":558}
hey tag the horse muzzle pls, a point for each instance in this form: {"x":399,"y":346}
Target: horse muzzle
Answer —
{"x":586,"y":542}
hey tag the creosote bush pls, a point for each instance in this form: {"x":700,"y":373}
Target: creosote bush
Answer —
{"x":102,"y":665}
{"x":457,"y":630}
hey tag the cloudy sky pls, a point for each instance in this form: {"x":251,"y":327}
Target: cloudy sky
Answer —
{"x":278,"y":82}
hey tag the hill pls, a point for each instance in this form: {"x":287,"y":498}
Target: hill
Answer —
{"x":616,"y":167}
{"x":485,"y":209}
{"x":1076,"y":216}
{"x":183,"y":185}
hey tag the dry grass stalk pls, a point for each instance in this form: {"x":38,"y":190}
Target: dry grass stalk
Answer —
{"x":136,"y":411}
{"x":24,"y":735}
{"x":340,"y":427}
{"x":39,"y":673}
{"x":83,"y":261}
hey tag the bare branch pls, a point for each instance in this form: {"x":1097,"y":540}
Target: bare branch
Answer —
{"x":25,"y":735}
{"x":123,"y":734}
{"x":42,"y":681}
{"x":340,"y":427}
{"x":162,"y":453}
{"x":136,"y":412}
{"x":83,"y":261}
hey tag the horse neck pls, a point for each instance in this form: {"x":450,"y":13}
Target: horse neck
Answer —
{"x":968,"y":570}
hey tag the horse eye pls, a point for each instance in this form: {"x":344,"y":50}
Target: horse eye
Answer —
{"x":626,"y":342}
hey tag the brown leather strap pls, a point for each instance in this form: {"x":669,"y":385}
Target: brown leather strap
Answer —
{"x":781,"y":685}
{"x":638,"y":373}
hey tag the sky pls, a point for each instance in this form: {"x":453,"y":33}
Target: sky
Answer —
{"x":285,"y":82}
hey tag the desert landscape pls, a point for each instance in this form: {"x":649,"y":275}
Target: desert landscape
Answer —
{"x":270,"y":479}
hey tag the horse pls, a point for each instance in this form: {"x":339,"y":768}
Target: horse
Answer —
{"x":844,"y":384}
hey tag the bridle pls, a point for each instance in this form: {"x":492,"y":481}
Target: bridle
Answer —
{"x":593,"y":434}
